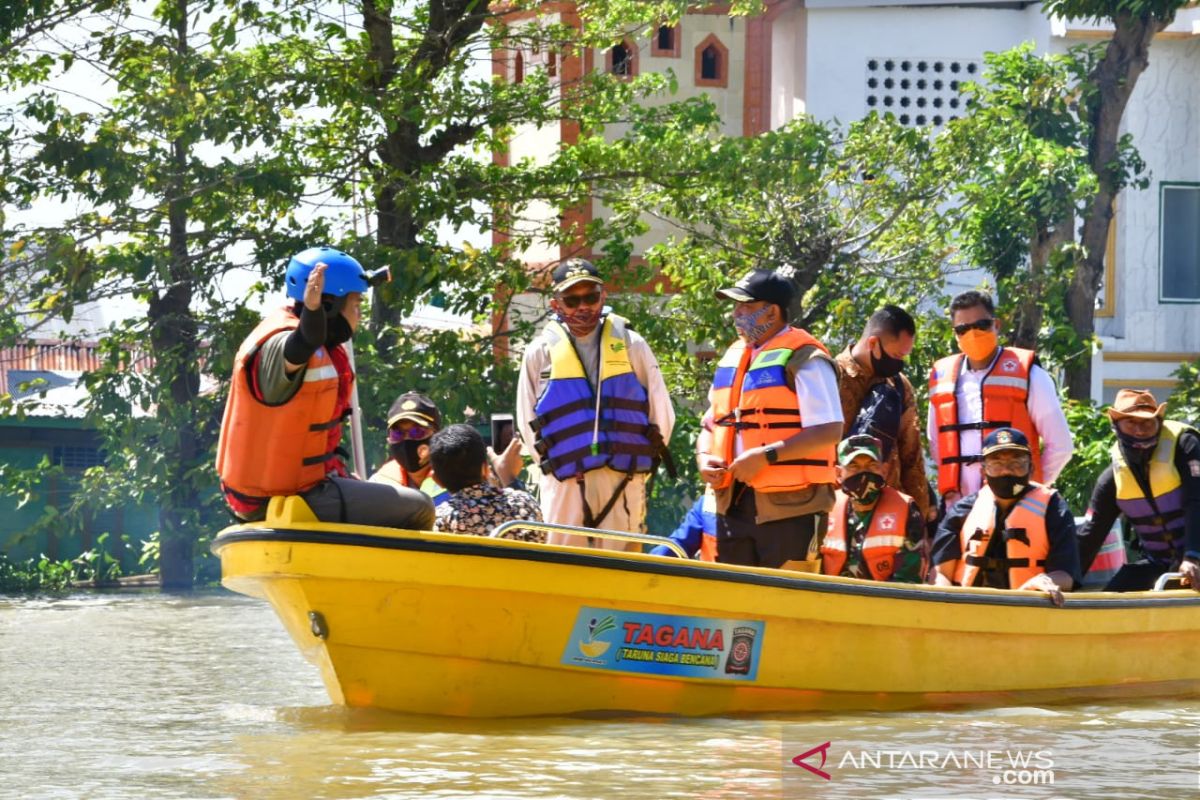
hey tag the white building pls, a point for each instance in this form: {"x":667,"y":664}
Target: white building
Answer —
{"x":839,"y":59}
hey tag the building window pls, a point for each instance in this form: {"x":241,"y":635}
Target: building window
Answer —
{"x":552,"y":64}
{"x":621,"y":60}
{"x":919,"y":91}
{"x":712,"y":63}
{"x":519,"y":68}
{"x":665,"y":41}
{"x":77,"y":457}
{"x":1179,"y":243}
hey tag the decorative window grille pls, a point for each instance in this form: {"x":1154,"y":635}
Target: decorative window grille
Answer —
{"x":918,"y":91}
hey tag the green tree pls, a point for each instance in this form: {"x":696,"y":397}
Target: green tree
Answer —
{"x":165,"y":174}
{"x":1025,"y":178}
{"x":1106,"y":92}
{"x":831,"y":207}
{"x":213,"y":123}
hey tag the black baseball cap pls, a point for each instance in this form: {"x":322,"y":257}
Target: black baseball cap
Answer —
{"x":573,"y":271}
{"x":761,"y":285}
{"x":415,"y":407}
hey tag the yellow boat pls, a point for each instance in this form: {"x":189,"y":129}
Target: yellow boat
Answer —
{"x":467,"y":626}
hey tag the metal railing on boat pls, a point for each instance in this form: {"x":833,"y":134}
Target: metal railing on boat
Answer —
{"x":594,"y":533}
{"x":1164,"y":579}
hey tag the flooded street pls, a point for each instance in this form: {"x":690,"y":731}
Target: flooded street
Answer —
{"x":204,"y":696}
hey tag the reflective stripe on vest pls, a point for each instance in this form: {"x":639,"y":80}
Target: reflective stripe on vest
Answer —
{"x":708,"y":517}
{"x":885,"y":534}
{"x":570,"y":438}
{"x":755,"y":398}
{"x":1005,"y":391}
{"x":327,"y":372}
{"x":1159,"y":520}
{"x":267,"y":451}
{"x":1026,"y":543}
{"x":1109,"y":559}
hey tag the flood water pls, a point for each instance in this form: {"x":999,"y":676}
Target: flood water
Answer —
{"x":204,"y":696}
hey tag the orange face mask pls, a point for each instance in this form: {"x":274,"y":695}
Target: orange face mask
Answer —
{"x":978,"y":345}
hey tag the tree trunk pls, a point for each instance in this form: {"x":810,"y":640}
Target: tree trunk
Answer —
{"x":1027,"y":317}
{"x":1029,"y":314}
{"x":1114,"y":76}
{"x":174,"y":341}
{"x":395,"y":232}
{"x":406,"y":151}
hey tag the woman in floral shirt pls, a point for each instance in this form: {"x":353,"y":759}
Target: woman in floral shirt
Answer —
{"x":476,"y":507}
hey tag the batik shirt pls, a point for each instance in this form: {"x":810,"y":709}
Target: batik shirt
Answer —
{"x":479,"y":509}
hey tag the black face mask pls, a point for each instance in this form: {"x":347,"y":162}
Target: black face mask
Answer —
{"x":1007,"y":486}
{"x":406,"y":453}
{"x":886,"y":366}
{"x":863,"y":486}
{"x":1137,"y":448}
{"x":337,"y":330}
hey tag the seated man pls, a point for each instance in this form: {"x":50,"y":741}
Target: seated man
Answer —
{"x":1154,"y":481}
{"x":460,"y":464}
{"x":411,"y":420}
{"x":290,"y":391}
{"x":697,"y":534}
{"x":1036,"y":549}
{"x":875,"y":532}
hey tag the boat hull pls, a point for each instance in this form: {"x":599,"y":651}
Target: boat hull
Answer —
{"x":462,"y":626}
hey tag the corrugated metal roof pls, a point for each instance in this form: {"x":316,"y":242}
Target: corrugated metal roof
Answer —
{"x":51,"y":359}
{"x":48,"y":355}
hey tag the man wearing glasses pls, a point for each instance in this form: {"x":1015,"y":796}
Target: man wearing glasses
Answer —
{"x":592,"y":405}
{"x":411,"y":420}
{"x":986,"y":387}
{"x":1014,"y":534}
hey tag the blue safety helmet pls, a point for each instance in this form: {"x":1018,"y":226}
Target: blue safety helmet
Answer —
{"x":343,"y":273}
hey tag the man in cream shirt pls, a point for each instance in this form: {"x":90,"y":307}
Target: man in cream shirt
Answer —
{"x":594,"y":453}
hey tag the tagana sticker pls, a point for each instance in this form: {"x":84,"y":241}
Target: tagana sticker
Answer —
{"x":665,"y":644}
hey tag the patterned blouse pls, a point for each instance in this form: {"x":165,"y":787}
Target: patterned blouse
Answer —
{"x":478,"y":509}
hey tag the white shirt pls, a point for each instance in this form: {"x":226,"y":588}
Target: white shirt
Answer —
{"x":1044,"y":410}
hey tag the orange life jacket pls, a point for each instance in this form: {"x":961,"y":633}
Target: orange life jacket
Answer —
{"x":756,"y":397}
{"x":885,"y":535}
{"x":1026,"y":543}
{"x":393,"y":473}
{"x":1005,"y":391}
{"x":265,"y":450}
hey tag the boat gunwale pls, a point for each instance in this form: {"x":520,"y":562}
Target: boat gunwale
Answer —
{"x":471,"y":545}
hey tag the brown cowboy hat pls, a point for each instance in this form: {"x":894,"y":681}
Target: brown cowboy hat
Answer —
{"x":1136,"y":403}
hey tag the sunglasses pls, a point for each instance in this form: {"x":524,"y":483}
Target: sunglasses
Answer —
{"x":997,"y":467}
{"x":416,"y":433}
{"x":575,"y":300}
{"x":984,"y":324}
